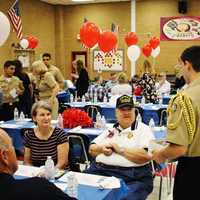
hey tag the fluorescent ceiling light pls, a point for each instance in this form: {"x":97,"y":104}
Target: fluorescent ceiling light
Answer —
{"x":81,"y":0}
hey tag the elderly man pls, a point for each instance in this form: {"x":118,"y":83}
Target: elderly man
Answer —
{"x":122,"y":151}
{"x":29,"y":188}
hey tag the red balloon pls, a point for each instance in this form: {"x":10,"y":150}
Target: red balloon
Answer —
{"x":33,"y":42}
{"x":147,"y":50}
{"x":131,"y":38}
{"x":107,"y":41}
{"x":89,"y":34}
{"x":154,"y":42}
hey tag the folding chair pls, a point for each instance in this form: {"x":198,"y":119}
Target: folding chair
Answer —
{"x":62,"y":107}
{"x":167,"y":170}
{"x":138,"y":110}
{"x":92,"y":111}
{"x":78,"y":151}
{"x":162,"y":114}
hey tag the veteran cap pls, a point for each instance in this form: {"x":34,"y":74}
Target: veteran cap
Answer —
{"x":124,"y":101}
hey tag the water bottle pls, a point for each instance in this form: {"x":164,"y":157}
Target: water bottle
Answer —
{"x":21,"y":116}
{"x":49,"y":168}
{"x":98,"y":117}
{"x":105,"y":99}
{"x":71,"y":98}
{"x":103,"y":122}
{"x":143,"y":100}
{"x":95,"y":97}
{"x":134,"y":99}
{"x":72,"y":185}
{"x":83,"y":98}
{"x":76,"y":98}
{"x":139,"y":118}
{"x":16,"y":114}
{"x":60,"y":121}
{"x":160,"y":100}
{"x":151,"y":124}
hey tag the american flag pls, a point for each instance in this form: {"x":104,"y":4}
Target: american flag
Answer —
{"x":15,"y":18}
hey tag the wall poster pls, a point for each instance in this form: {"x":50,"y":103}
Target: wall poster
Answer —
{"x":112,"y":61}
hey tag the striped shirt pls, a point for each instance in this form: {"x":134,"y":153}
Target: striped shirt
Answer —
{"x":40,"y":149}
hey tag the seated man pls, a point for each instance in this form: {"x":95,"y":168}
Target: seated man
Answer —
{"x":122,"y":151}
{"x":29,"y":188}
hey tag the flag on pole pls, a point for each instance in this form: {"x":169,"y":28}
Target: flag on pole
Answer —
{"x":15,"y":19}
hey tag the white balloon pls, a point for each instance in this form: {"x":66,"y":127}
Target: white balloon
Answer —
{"x":133,"y":52}
{"x":4,"y":28}
{"x":24,"y":43}
{"x":155,"y":52}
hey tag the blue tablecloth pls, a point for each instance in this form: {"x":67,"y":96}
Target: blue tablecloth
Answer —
{"x":150,"y":111}
{"x":63,"y":97}
{"x":86,"y":192}
{"x":165,"y":99}
{"x":15,"y":132}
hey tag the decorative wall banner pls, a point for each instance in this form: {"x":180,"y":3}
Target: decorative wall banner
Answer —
{"x":180,"y":28}
{"x":108,"y":61}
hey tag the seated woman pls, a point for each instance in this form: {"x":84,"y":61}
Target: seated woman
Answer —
{"x":45,"y":140}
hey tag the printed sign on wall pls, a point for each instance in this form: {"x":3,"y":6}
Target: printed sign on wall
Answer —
{"x":108,"y":61}
{"x":180,"y":28}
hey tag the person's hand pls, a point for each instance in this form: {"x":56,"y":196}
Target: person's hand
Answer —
{"x":158,"y":156}
{"x":107,"y":149}
{"x":116,"y":148}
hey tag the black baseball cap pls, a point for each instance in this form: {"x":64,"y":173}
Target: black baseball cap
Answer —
{"x":124,"y":101}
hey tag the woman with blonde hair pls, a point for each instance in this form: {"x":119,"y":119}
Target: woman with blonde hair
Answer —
{"x":46,"y":85}
{"x":123,"y":86}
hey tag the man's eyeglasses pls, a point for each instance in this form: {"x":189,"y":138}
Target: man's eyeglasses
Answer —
{"x":45,"y":59}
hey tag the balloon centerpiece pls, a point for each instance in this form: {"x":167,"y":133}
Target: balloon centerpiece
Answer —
{"x":90,"y":36}
{"x":30,"y":42}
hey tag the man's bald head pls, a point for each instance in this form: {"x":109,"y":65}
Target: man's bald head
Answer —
{"x":4,"y":140}
{"x":8,"y":160}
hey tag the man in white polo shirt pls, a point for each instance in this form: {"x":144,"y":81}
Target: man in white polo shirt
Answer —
{"x":122,"y":151}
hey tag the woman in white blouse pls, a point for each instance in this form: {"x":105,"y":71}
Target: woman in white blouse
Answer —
{"x":123,"y":87}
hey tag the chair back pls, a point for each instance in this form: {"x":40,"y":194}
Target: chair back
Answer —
{"x":92,"y":111}
{"x":78,"y":151}
{"x":63,"y":107}
{"x":162,"y":114}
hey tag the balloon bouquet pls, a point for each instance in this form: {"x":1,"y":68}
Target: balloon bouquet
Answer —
{"x":91,"y":36}
{"x":30,"y":42}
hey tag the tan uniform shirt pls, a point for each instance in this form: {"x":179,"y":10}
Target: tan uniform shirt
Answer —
{"x":10,"y":88}
{"x":178,"y":132}
{"x":56,"y":73}
{"x":45,"y":84}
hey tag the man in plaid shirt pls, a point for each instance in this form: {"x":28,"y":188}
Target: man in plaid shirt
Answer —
{"x":96,"y":88}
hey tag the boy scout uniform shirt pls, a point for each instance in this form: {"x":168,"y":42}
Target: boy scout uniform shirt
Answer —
{"x":56,"y":73}
{"x":7,"y":85}
{"x":177,"y":125}
{"x":45,"y":85}
{"x":127,"y":138}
